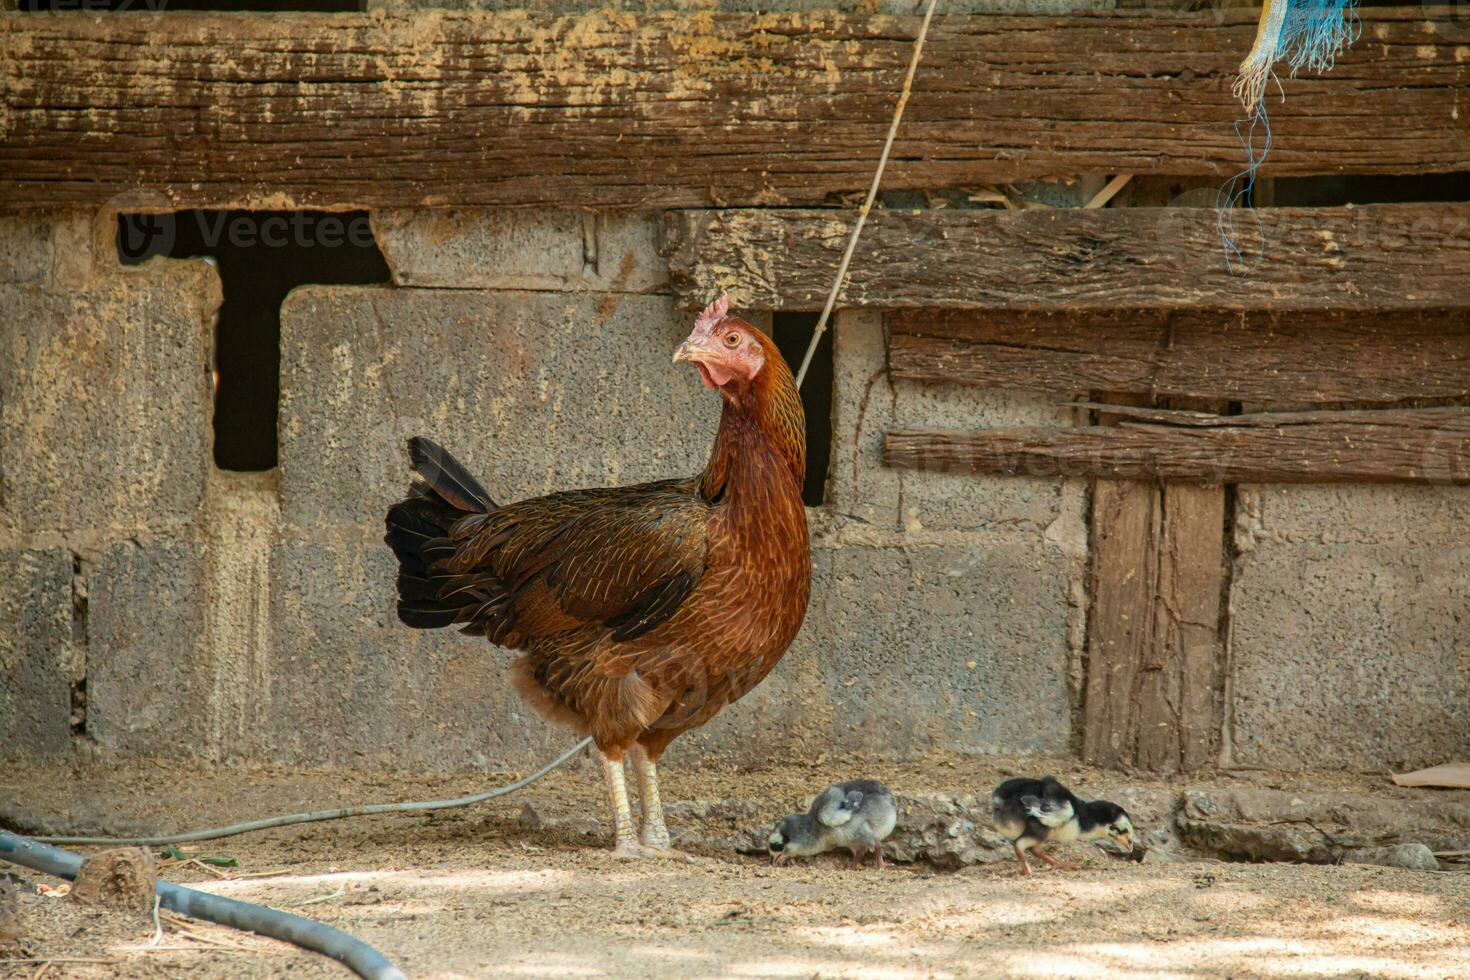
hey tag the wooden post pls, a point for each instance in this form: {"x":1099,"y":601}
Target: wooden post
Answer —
{"x":1154,"y":643}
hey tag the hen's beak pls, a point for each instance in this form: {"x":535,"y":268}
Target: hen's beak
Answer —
{"x":690,"y":352}
{"x":1127,"y":841}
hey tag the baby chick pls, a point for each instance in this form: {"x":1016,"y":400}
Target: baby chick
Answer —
{"x":858,"y":815}
{"x":1033,"y":812}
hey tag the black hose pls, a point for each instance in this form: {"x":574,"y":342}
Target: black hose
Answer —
{"x":318,"y":937}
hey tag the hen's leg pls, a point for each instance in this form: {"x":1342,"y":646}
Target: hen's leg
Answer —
{"x":654,"y":833}
{"x":654,"y":840}
{"x":625,"y":841}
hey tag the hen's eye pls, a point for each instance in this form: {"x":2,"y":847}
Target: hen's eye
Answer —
{"x":732,"y":340}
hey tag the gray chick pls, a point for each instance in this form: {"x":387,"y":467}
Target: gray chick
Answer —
{"x":858,"y":815}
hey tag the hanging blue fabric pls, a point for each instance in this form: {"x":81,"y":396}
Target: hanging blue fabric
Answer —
{"x":1304,"y":33}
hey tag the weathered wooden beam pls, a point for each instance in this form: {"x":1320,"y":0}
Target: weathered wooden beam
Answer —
{"x":1377,"y":257}
{"x":1260,"y":356}
{"x":1369,"y":446}
{"x":617,"y":110}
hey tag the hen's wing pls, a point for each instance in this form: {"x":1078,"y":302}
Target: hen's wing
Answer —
{"x":622,"y":557}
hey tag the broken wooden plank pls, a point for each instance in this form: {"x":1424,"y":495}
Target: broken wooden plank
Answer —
{"x":1429,"y":446}
{"x":1076,"y":261}
{"x":1261,"y":356}
{"x":609,"y":109}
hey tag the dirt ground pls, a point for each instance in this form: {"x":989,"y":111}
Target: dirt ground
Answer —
{"x":499,"y":890}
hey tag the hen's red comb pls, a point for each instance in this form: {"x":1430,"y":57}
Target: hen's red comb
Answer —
{"x":713,"y":313}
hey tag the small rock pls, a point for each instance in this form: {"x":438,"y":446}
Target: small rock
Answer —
{"x":120,"y":878}
{"x":1415,"y":857}
{"x":529,"y":818}
{"x":10,"y":925}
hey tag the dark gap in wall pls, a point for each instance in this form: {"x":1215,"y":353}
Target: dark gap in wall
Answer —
{"x":262,"y":256}
{"x":1336,"y":191}
{"x":79,"y":640}
{"x":792,"y":333}
{"x":168,"y":6}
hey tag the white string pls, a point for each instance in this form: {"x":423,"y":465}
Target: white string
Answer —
{"x":862,"y":218}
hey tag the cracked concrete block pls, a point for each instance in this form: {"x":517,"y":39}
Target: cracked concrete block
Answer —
{"x":1317,"y":827}
{"x":354,"y":687}
{"x":867,"y":403}
{"x":49,"y":249}
{"x":37,"y":655}
{"x":534,"y":392}
{"x":105,"y":423}
{"x":1350,"y":655}
{"x":150,"y":681}
{"x":512,"y":248}
{"x":901,"y":628}
{"x":1400,"y":515}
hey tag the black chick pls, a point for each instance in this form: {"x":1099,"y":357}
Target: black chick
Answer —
{"x":1033,"y":812}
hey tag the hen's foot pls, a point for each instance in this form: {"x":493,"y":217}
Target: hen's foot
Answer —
{"x":638,"y":851}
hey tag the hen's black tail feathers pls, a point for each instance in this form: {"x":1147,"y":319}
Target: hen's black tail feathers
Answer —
{"x":447,"y":477}
{"x":418,"y":533}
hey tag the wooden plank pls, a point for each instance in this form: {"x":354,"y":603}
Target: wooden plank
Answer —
{"x":1376,"y":257}
{"x":1261,"y":356}
{"x":1154,"y":651}
{"x":1179,"y":717}
{"x":1125,"y":554}
{"x":609,"y":109}
{"x":1427,"y":446}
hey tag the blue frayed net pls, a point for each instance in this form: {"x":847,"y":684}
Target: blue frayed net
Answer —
{"x":1305,"y":34}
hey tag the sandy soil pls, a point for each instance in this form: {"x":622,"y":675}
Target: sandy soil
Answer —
{"x":485,"y":892}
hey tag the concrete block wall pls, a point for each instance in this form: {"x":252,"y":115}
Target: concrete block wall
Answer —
{"x":536,"y":347}
{"x":151,"y":605}
{"x":163,"y":607}
{"x":104,"y":465}
{"x":1350,"y":627}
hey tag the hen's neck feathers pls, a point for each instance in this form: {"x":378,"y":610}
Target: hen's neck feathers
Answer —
{"x":762,"y":422}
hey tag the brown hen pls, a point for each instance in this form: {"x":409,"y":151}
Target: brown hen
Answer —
{"x":640,"y":612}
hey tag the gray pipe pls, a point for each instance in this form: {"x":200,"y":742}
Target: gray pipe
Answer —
{"x":352,"y":953}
